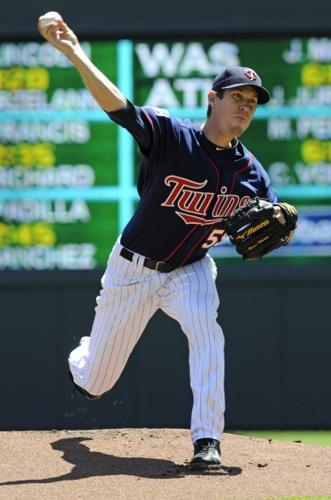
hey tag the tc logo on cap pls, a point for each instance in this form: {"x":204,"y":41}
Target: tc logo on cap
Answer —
{"x":250,"y":74}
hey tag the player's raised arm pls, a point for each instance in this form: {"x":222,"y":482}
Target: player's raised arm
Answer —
{"x":52,"y":27}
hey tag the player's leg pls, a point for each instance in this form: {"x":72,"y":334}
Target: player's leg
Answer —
{"x":193,"y":302}
{"x":126,"y":303}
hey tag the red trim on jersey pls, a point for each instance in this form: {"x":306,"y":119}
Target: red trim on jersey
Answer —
{"x":217,"y":174}
{"x":195,"y":246}
{"x":196,"y":226}
{"x":204,"y":236}
{"x":249,"y":163}
{"x":149,"y":119}
{"x":181,"y":243}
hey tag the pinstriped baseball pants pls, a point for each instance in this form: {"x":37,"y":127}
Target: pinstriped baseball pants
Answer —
{"x":130,"y":295}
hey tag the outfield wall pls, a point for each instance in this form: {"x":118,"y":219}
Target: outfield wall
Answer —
{"x":278,"y":344}
{"x":104,"y":19}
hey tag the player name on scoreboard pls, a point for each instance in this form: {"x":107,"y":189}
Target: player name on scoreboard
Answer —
{"x":65,"y":153}
{"x":48,"y":154}
{"x":179,"y":74}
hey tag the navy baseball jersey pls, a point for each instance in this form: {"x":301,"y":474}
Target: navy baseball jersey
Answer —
{"x":187,"y":185}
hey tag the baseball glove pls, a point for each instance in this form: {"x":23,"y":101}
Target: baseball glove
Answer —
{"x":257,"y":229}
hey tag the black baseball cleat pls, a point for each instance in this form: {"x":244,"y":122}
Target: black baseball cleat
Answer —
{"x":207,"y":454}
{"x":81,"y":390}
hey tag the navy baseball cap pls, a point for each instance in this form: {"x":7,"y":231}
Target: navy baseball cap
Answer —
{"x":238,"y":76}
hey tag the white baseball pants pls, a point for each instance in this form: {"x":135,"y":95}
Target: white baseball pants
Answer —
{"x":130,"y":295}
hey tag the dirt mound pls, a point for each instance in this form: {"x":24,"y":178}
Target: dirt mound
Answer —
{"x":153,"y":464}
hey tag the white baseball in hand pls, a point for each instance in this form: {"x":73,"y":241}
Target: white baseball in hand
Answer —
{"x":48,"y":18}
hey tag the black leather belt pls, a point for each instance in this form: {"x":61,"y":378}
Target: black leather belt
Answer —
{"x":157,"y":265}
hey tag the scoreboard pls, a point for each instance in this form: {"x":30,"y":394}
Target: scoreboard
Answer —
{"x":67,"y":173}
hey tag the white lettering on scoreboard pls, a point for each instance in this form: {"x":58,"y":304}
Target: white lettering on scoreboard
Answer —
{"x":183,"y":72}
{"x":64,"y":257}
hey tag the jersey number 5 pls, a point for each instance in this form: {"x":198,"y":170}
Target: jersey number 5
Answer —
{"x":214,"y":238}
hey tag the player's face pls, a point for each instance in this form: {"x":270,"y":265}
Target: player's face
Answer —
{"x":233,"y":113}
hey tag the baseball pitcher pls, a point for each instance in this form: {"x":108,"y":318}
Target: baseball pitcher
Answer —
{"x":197,"y":183}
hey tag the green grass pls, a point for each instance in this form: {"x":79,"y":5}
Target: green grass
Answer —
{"x":300,"y":498}
{"x":310,"y":437}
{"x":322,"y":438}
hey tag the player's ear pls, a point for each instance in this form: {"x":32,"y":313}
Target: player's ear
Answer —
{"x":211,"y":97}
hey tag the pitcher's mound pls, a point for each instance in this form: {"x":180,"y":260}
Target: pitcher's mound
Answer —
{"x":152,"y":464}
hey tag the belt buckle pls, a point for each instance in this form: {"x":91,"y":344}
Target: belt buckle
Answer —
{"x":158,"y":263}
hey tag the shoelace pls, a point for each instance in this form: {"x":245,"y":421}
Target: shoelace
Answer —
{"x":209,"y":445}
